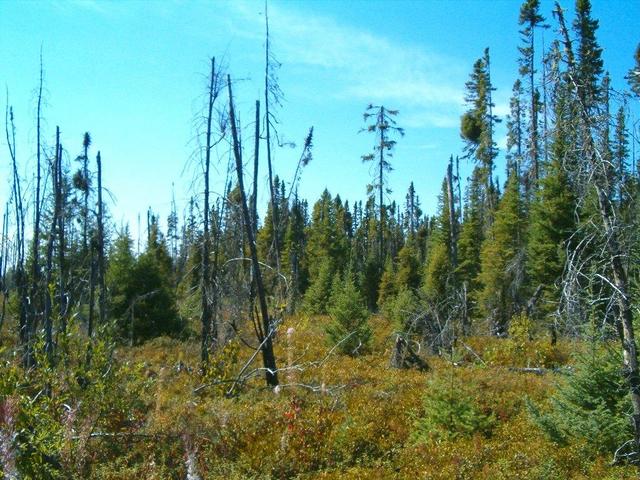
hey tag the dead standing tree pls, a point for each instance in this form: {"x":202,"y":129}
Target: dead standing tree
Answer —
{"x":25,"y":324}
{"x":35,"y":244}
{"x":266,"y":330}
{"x":209,"y":331}
{"x":598,"y":167}
{"x":56,"y":181}
{"x":100,"y":244}
{"x":272,"y":93}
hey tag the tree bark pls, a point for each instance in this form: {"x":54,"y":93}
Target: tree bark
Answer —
{"x":272,"y":193}
{"x":101,"y":264}
{"x":265,"y":336}
{"x":48,"y":320}
{"x":35,"y":266}
{"x":204,"y":273}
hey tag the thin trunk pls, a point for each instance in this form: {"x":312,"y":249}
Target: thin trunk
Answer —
{"x":459,"y":186}
{"x":254,"y":202}
{"x":545,"y":100}
{"x":25,"y":325}
{"x":48,"y":320}
{"x":490,"y":189}
{"x":101,"y":265}
{"x":272,"y":193}
{"x":268,"y":357}
{"x":452,"y":216}
{"x":256,"y":153}
{"x":625,"y":313}
{"x":92,"y":287}
{"x":35,"y":266}
{"x":381,"y":187}
{"x":204,"y":273}
{"x":4,"y":253}
{"x":61,"y":245}
{"x":534,"y":112}
{"x":85,"y":212}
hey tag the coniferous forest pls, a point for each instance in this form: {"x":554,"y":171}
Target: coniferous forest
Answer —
{"x":314,"y":338}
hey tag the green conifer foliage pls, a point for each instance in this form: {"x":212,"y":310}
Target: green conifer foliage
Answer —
{"x":551,"y":222}
{"x":500,"y":269}
{"x":589,"y":53}
{"x":317,"y":295}
{"x":470,"y":241}
{"x":326,"y":238}
{"x":142,"y":295}
{"x":439,"y":272}
{"x":633,"y":77}
{"x":387,"y":288}
{"x":349,"y":325}
{"x":121,"y":265}
{"x":408,"y":268}
{"x":591,"y":405}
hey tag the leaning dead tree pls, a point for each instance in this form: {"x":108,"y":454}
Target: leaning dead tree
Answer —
{"x":597,"y":175}
{"x":266,"y":330}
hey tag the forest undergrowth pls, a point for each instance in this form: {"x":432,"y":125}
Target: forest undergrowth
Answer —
{"x":148,"y":412}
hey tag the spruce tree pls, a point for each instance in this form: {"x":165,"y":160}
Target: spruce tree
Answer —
{"x":316,"y":297}
{"x":551,"y":223}
{"x":477,"y":130}
{"x":408,"y":267}
{"x":388,"y":288}
{"x":384,"y":128}
{"x":349,"y":327}
{"x":469,"y":244}
{"x":633,"y":77}
{"x":501,"y":258}
{"x":589,"y":66}
{"x":439,"y":269}
{"x":531,"y":19}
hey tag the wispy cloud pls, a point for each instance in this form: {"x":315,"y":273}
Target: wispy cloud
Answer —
{"x":426,"y":86}
{"x":95,"y":7}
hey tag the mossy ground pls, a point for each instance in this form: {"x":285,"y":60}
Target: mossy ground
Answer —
{"x":338,"y":417}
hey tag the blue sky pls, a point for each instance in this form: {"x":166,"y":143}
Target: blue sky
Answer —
{"x":133,"y":74}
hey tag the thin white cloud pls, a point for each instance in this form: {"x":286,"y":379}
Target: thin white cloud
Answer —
{"x":363,"y":66}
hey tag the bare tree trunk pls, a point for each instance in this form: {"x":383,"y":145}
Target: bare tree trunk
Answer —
{"x":207,"y":330}
{"x":35,"y":266}
{"x":4,"y":254}
{"x":101,"y":265}
{"x":534,"y":113}
{"x":92,"y":287}
{"x":25,"y":324}
{"x":600,"y":167}
{"x":256,"y":154}
{"x":266,"y":332}
{"x":48,"y":320}
{"x":452,"y":216}
{"x":86,"y":142}
{"x":254,"y":202}
{"x":272,"y":193}
{"x":623,"y":301}
{"x":63,"y":300}
{"x":383,"y":142}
